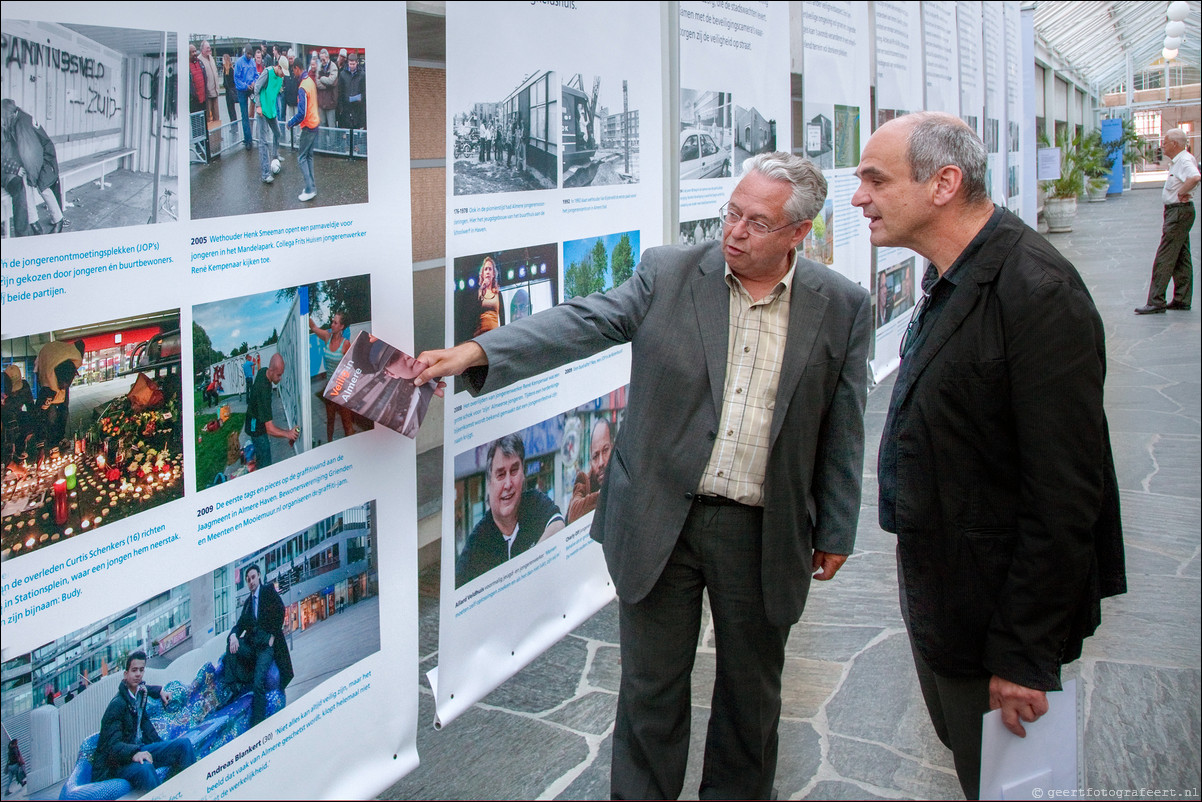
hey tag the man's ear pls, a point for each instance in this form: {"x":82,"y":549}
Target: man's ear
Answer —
{"x":945,"y":184}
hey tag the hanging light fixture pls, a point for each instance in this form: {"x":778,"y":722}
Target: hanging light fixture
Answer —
{"x":1178,"y":10}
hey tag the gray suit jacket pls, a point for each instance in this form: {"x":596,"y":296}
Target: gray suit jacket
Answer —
{"x":674,"y":311}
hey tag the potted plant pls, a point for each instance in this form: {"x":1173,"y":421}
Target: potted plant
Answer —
{"x":1060,"y":208}
{"x":1095,"y":160}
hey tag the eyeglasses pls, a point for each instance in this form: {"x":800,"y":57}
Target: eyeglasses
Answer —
{"x":913,"y":326}
{"x":754,"y":227}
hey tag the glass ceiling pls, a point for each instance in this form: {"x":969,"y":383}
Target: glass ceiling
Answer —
{"x":1096,"y":37}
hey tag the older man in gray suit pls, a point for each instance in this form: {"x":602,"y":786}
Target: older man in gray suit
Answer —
{"x":737,"y":470}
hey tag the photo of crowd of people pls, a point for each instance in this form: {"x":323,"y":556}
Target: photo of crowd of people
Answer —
{"x":508,"y":142}
{"x":260,"y":365}
{"x":600,"y":133}
{"x":521,"y":489}
{"x":91,"y":428}
{"x":693,"y":232}
{"x":86,"y":145}
{"x":291,"y":131}
{"x":139,"y":695}
{"x":597,"y":264}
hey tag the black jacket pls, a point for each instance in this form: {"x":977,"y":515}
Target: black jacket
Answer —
{"x":117,"y":744}
{"x":270,"y":624}
{"x":1006,"y":507}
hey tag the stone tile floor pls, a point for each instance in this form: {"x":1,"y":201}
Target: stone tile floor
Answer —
{"x":854,"y":726}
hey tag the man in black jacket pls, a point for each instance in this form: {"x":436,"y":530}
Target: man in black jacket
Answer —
{"x":257,"y":639}
{"x":129,"y":748}
{"x":995,"y":468}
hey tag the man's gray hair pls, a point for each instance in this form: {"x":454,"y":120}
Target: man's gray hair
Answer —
{"x":938,"y":140}
{"x":510,"y":446}
{"x":809,"y":186}
{"x":1177,"y":135}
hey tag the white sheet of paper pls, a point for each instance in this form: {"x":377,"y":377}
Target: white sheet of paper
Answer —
{"x":1014,"y":768}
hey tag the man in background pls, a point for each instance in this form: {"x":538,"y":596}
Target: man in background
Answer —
{"x":259,"y":424}
{"x":1172,"y":260}
{"x":257,"y":640}
{"x":587,"y":488}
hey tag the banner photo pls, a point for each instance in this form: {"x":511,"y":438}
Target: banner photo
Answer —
{"x":994,"y":37}
{"x":972,"y":67}
{"x":941,"y":54}
{"x":836,"y":109}
{"x":725,"y":118}
{"x":899,"y":91}
{"x":194,"y":544}
{"x":554,"y":190}
{"x":1012,"y":17}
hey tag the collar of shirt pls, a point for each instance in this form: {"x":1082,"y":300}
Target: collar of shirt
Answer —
{"x":952,"y":275}
{"x":785,"y":284}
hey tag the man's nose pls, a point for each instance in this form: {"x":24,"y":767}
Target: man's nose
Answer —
{"x":859,"y":197}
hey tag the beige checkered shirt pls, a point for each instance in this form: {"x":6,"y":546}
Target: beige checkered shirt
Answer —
{"x":756,"y":346}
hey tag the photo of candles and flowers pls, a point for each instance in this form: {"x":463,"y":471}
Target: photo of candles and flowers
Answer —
{"x":91,"y":428}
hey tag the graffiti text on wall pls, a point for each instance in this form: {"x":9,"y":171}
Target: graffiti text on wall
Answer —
{"x":25,"y":52}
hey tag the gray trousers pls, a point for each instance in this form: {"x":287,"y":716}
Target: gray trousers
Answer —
{"x":1173,"y":259}
{"x":719,"y":552}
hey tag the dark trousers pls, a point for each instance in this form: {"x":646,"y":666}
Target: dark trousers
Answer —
{"x":718,"y":551}
{"x":955,"y":705}
{"x":243,"y":106}
{"x":253,"y":662}
{"x":16,"y":190}
{"x":1173,"y":259}
{"x":176,"y":755}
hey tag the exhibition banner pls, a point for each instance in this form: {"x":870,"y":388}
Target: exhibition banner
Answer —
{"x":941,"y":56}
{"x":972,"y":67}
{"x":899,"y":90}
{"x":994,"y":37}
{"x":835,"y":84}
{"x":554,"y":189}
{"x":190,"y":535}
{"x":734,"y":103}
{"x":1012,"y":18}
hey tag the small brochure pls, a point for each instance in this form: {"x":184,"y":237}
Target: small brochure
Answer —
{"x":375,"y":380}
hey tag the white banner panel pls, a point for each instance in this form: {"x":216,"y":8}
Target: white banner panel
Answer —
{"x":1012,"y":17}
{"x":994,"y":35}
{"x":972,"y":80}
{"x":555,"y":188}
{"x":941,"y":56}
{"x":899,"y":90}
{"x":726,"y":116}
{"x":144,"y":476}
{"x":836,"y":107}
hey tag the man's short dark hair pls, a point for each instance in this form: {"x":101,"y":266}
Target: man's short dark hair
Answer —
{"x":252,"y":567}
{"x":510,"y":445}
{"x":938,"y":140}
{"x":135,"y":655}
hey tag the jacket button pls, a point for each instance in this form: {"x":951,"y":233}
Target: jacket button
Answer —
{"x":689,"y":496}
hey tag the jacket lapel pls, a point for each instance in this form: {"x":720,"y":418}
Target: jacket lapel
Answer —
{"x":711,"y":302}
{"x":807,"y":306}
{"x":983,"y":270}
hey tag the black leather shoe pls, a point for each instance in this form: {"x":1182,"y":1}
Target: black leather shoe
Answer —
{"x":1177,"y":305}
{"x":1149,"y":310}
